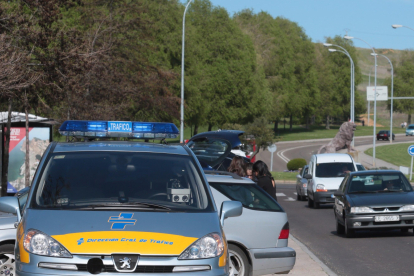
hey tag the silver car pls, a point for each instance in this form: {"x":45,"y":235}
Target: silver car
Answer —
{"x":258,"y":239}
{"x":302,"y":184}
{"x":110,"y":207}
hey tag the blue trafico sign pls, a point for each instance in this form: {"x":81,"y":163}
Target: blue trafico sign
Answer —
{"x":119,"y":126}
{"x":411,"y":150}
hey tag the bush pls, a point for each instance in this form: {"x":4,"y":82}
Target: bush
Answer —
{"x":295,"y":164}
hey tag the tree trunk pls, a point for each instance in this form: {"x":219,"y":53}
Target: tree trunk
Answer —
{"x":27,"y":158}
{"x":195,"y":129}
{"x":5,"y":163}
{"x":328,"y":126}
{"x":291,"y":122}
{"x":307,"y":122}
{"x":409,"y":119}
{"x":276,"y":128}
{"x":209,"y":127}
{"x":284,"y":123}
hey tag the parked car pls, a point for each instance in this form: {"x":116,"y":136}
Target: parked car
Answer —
{"x":302,"y":184}
{"x":409,"y":130}
{"x":100,"y":206}
{"x":214,"y":148}
{"x":385,"y":135}
{"x":385,"y":202}
{"x":258,"y":239}
{"x":326,"y":172}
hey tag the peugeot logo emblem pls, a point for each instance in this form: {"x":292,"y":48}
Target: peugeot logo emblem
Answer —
{"x":386,"y":210}
{"x":126,"y":262}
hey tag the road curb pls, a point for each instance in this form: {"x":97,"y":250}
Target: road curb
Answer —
{"x":326,"y":139}
{"x":313,"y":257}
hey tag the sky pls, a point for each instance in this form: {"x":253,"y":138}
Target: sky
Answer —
{"x":369,"y":20}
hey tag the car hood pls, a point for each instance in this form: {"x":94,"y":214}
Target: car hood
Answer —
{"x":382,"y":199}
{"x":330,"y":183}
{"x":103,"y":232}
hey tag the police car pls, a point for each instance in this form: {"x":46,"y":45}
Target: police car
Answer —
{"x":119,"y":206}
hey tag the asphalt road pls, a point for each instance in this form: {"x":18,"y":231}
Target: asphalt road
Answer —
{"x":290,"y":150}
{"x":369,"y":253}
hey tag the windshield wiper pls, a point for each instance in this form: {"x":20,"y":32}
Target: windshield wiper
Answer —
{"x":128,"y":205}
{"x":390,"y":191}
{"x":361,"y":192}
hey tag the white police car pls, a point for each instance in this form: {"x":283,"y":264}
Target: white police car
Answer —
{"x":119,"y":206}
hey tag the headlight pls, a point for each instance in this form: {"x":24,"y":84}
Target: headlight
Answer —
{"x":39,"y":243}
{"x":357,"y":210}
{"x":321,"y":188}
{"x":209,"y":246}
{"x":409,"y":208}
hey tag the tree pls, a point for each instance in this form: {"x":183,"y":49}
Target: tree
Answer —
{"x":263,"y":136}
{"x":403,"y":83}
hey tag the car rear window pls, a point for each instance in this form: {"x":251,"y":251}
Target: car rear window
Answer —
{"x":333,"y":169}
{"x":379,"y":183}
{"x":250,"y":195}
{"x":119,"y":179}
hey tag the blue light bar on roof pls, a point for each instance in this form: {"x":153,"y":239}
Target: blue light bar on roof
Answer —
{"x":137,"y":130}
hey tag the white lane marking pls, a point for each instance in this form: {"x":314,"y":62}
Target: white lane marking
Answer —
{"x":282,"y":156}
{"x":280,"y":194}
{"x":290,"y":199}
{"x":295,"y":193}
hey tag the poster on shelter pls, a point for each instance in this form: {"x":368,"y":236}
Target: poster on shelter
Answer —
{"x":38,"y":142}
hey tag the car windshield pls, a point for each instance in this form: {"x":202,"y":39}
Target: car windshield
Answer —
{"x":410,"y":127}
{"x":377,"y":183}
{"x":94,"y":180}
{"x":333,"y":169}
{"x":250,"y":195}
{"x":360,"y":167}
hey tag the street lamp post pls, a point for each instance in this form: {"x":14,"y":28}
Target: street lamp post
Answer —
{"x":352,"y":114}
{"x":395,"y":26}
{"x":375,"y":95}
{"x":344,"y":51}
{"x":182,"y":77}
{"x":392,"y":92}
{"x":369,"y":84}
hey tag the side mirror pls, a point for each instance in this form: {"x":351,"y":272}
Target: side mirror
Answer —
{"x":10,"y":204}
{"x":230,"y":209}
{"x":338,"y":193}
{"x":308,"y":176}
{"x":298,"y":176}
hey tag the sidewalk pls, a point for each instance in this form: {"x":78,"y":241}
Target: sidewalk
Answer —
{"x":306,"y":262}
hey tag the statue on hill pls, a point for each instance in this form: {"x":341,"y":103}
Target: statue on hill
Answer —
{"x":342,"y":139}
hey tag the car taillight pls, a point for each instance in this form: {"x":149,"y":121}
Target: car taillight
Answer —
{"x":284,"y":234}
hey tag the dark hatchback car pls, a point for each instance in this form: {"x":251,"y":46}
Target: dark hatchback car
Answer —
{"x":213,"y":148}
{"x":385,"y":135}
{"x":374,"y":199}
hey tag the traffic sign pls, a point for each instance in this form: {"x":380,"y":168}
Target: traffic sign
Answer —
{"x":382,"y":93}
{"x":272,"y":148}
{"x":411,"y":150}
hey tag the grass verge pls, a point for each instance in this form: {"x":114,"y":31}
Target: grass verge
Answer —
{"x":285,"y":175}
{"x":394,"y":154}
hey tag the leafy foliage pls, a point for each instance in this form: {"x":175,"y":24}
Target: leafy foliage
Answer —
{"x":295,"y":164}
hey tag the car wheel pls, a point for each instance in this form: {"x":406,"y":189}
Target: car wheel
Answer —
{"x":340,"y":229}
{"x":298,"y":197}
{"x":393,"y":138}
{"x":239,"y":264}
{"x":7,"y":261}
{"x":316,"y":205}
{"x":310,"y":202}
{"x":377,"y":139}
{"x":349,"y":233}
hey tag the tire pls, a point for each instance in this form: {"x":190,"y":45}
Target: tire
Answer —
{"x":8,"y":265}
{"x":239,"y":264}
{"x":340,"y":229}
{"x":298,"y":197}
{"x":349,"y":233}
{"x":310,"y":202}
{"x":316,"y":205}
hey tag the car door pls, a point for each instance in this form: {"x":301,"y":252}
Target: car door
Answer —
{"x":340,"y":200}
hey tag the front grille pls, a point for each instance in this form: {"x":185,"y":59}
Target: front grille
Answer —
{"x":387,"y":222}
{"x":139,"y":269}
{"x":382,"y":209}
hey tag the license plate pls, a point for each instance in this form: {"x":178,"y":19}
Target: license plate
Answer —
{"x":387,"y":218}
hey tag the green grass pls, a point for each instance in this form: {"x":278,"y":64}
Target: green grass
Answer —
{"x":395,"y":154}
{"x":319,"y":132}
{"x":285,"y":175}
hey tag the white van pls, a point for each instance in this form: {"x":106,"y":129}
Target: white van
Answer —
{"x":326,"y":172}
